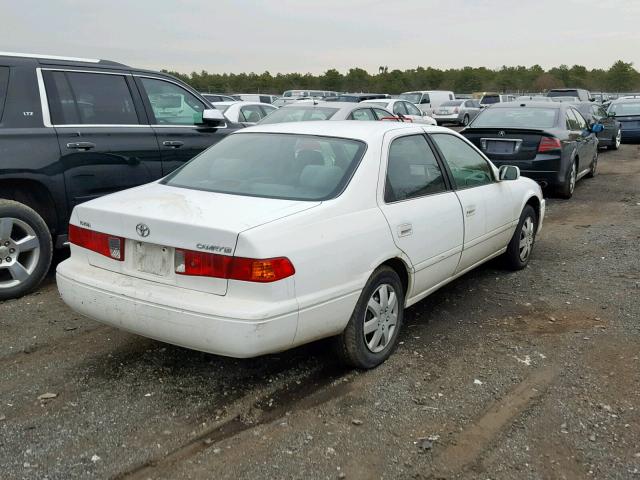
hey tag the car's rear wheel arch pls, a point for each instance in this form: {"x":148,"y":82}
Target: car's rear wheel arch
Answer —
{"x":34,"y":195}
{"x":401,"y":268}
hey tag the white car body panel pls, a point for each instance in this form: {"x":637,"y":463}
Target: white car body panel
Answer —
{"x":334,"y":245}
{"x":389,"y":104}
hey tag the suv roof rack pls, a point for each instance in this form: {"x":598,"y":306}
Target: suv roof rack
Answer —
{"x":56,"y":57}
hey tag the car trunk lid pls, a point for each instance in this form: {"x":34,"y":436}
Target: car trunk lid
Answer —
{"x":156,"y":219}
{"x":502,"y":144}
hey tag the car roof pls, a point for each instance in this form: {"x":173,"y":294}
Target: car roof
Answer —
{"x":527,"y":104}
{"x":316,"y":103}
{"x":366,"y":131}
{"x":240,"y":103}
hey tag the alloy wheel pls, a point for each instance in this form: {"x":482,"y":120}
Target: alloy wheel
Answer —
{"x":19,"y":252}
{"x":381,"y":318}
{"x":618,"y":139}
{"x":572,"y":178}
{"x":527,"y":237}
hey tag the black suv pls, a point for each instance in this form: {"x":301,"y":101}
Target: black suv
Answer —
{"x":74,"y":129}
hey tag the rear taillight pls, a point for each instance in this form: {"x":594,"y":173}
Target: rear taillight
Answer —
{"x":549,"y":143}
{"x":102,"y":243}
{"x":456,"y":110}
{"x":204,"y":264}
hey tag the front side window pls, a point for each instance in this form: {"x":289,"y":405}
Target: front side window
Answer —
{"x":412,"y":170}
{"x":273,"y":165}
{"x":4,"y":85}
{"x":251,"y":114}
{"x":172,"y":104}
{"x":399,"y":108}
{"x":90,"y":99}
{"x":413,"y":97}
{"x":363,"y":114}
{"x":412,"y":109}
{"x":468,"y":167}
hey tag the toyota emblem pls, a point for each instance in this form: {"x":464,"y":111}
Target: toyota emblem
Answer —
{"x":143,"y":230}
{"x":501,"y":133}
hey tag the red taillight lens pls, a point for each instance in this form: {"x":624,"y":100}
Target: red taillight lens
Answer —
{"x":549,"y":143}
{"x":191,"y":263}
{"x":102,"y":243}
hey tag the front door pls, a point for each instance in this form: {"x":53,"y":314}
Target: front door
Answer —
{"x":105,"y":142}
{"x":176,"y":118}
{"x":486,"y":202}
{"x":422,"y":211}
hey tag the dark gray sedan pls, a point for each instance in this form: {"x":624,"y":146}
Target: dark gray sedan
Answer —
{"x":550,"y":142}
{"x":611,"y":136}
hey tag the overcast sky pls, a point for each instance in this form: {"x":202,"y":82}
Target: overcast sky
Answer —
{"x":315,"y":35}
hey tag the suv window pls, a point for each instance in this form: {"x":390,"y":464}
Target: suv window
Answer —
{"x":4,"y":83}
{"x":362,"y":114}
{"x":90,"y":99}
{"x":172,"y":104}
{"x":412,"y":170}
{"x":468,"y":167}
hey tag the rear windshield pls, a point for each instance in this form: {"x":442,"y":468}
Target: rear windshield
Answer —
{"x":563,"y":93}
{"x":411,"y":97}
{"x":490,"y":99}
{"x":518,"y":117}
{"x":273,"y":165}
{"x":622,"y":109}
{"x":453,"y":103}
{"x":300,"y":114}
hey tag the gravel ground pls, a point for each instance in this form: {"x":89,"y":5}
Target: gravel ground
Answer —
{"x":500,"y":375}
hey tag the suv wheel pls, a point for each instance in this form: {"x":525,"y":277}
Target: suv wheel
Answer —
{"x":25,"y":249}
{"x":569,"y":185}
{"x":372,"y":332}
{"x":521,"y":245}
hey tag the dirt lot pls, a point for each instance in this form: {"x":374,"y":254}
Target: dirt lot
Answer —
{"x":528,"y":375}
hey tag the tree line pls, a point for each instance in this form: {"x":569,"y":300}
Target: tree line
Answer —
{"x":621,"y":77}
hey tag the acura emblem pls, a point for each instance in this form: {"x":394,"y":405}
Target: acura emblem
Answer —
{"x":143,"y":230}
{"x":501,"y":133}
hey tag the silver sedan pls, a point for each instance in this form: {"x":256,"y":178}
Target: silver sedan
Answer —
{"x":309,"y":110}
{"x":460,"y":112}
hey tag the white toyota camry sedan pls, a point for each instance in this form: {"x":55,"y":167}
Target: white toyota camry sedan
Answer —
{"x":284,"y":234}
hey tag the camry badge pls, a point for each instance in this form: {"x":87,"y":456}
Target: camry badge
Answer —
{"x":501,"y":133}
{"x":143,"y":230}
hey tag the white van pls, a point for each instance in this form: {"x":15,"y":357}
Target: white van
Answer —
{"x":255,"y":97}
{"x":428,"y":100}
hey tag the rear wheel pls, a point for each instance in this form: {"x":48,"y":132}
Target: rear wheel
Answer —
{"x":616,"y":141}
{"x":25,"y":249}
{"x":594,"y":166}
{"x":372,"y":332}
{"x":521,"y":245}
{"x":569,"y":185}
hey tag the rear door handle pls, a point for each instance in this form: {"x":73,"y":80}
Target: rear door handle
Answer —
{"x":81,"y":145}
{"x":405,"y":230}
{"x":173,"y":143}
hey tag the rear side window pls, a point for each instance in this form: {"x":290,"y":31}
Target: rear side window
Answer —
{"x":363,"y":114}
{"x":251,"y":114}
{"x":380,"y":114}
{"x":4,"y":84}
{"x":90,"y":99}
{"x":412,"y":170}
{"x":582,"y":124}
{"x":572,"y":121}
{"x":399,"y":108}
{"x":468,"y":167}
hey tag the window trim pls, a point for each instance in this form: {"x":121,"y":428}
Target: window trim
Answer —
{"x":454,"y":184}
{"x":3,"y":99}
{"x":445,"y":172}
{"x":44,"y":101}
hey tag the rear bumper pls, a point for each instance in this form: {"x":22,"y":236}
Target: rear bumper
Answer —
{"x":455,"y":118}
{"x":201,"y":321}
{"x":538,"y":169}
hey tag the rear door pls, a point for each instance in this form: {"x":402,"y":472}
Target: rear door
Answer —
{"x":175,"y":114}
{"x":585,"y":140}
{"x":105,"y":141}
{"x":487,"y":204}
{"x":423,"y":212}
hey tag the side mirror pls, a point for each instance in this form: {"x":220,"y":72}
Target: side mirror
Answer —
{"x":213,"y":118}
{"x":597,"y":127}
{"x":508,"y":172}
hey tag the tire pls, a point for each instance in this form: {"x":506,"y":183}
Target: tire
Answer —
{"x":521,"y":244}
{"x":616,"y":141}
{"x":465,"y":120}
{"x":567,"y":188}
{"x":594,"y":166}
{"x":353,"y":346}
{"x":26,"y":241}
